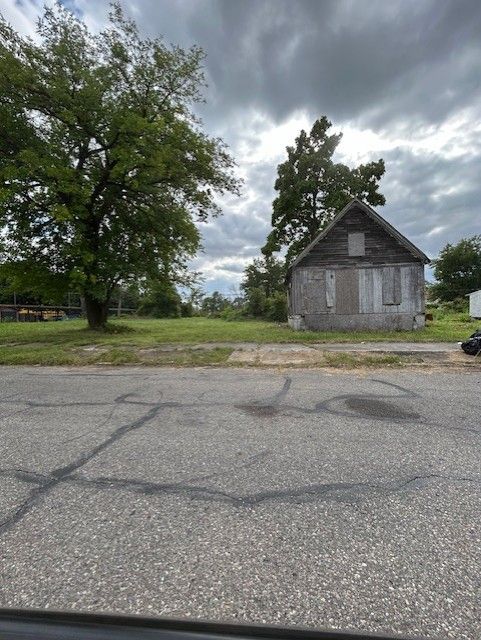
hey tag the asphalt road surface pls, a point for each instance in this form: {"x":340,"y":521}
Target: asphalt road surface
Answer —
{"x":327,"y":499}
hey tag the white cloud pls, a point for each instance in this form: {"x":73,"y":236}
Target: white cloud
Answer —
{"x":266,"y":140}
{"x":453,"y":138}
{"x":21,"y":15}
{"x":436,"y":230}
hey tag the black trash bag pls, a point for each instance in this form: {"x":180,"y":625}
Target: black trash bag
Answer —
{"x":472,"y":346}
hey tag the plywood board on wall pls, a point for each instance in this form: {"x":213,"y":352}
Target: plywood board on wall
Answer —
{"x":347,"y":291}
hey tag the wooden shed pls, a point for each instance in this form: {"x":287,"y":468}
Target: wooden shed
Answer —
{"x":358,"y":273}
{"x":475,"y":304}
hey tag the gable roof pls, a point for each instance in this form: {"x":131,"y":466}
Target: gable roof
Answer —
{"x":417,"y":253}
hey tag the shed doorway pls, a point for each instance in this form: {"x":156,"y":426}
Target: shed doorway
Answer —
{"x":347,"y":291}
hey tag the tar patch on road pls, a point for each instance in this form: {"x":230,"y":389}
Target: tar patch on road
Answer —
{"x":259,"y":410}
{"x":371,"y":407}
{"x":269,"y":407}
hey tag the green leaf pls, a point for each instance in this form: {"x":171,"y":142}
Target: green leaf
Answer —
{"x":104,"y":170}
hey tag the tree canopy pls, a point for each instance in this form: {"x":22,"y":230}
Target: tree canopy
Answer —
{"x":458,"y":269}
{"x":215,"y":303}
{"x":104,"y":168}
{"x":312,"y":188}
{"x":266,"y":273}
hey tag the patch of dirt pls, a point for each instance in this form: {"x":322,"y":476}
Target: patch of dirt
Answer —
{"x":93,"y":348}
{"x":307,"y":356}
{"x":154,"y":351}
{"x":280,"y":355}
{"x":461,"y":357}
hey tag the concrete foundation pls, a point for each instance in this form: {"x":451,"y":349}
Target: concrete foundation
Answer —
{"x":296,"y":323}
{"x":357,"y":322}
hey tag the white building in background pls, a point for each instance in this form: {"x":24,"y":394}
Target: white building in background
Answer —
{"x":475,"y":304}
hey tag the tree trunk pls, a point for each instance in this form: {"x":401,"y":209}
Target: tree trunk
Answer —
{"x":96,"y":312}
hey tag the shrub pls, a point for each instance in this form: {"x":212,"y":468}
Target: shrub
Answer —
{"x":256,"y":302}
{"x":276,"y":307}
{"x":230,"y":314}
{"x":186,"y":309}
{"x":459,"y":305}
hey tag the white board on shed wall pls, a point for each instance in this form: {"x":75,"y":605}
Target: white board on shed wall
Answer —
{"x":366,"y":291}
{"x":330,"y":288}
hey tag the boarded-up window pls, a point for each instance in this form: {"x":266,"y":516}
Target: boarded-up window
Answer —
{"x":391,"y":285}
{"x":314,"y":292}
{"x":355,"y":244}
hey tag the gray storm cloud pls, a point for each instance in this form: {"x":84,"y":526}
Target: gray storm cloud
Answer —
{"x":407,"y":70}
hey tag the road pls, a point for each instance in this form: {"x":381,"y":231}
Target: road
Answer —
{"x":329,"y":499}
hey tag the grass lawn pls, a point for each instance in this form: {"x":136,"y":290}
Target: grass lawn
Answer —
{"x":133,"y":341}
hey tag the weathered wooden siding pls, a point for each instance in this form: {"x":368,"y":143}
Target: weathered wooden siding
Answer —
{"x":347,"y":291}
{"x":391,"y":285}
{"x":307,"y":291}
{"x":314,"y":294}
{"x":380,"y":246}
{"x":379,"y":297}
{"x":378,"y":286}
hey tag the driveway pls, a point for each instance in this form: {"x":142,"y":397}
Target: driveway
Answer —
{"x":327,"y":499}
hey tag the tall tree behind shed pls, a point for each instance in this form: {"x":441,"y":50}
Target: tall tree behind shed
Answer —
{"x":312,"y":188}
{"x":107,"y":169}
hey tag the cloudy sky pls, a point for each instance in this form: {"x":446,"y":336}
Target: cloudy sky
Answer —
{"x":400,"y":78}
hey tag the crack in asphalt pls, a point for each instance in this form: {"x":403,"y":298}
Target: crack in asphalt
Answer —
{"x":122,"y":399}
{"x":366,"y":405}
{"x":116,"y":435}
{"x":24,"y":475}
{"x":298,"y":494}
{"x":59,"y":474}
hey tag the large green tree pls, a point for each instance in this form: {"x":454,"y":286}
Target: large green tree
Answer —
{"x":104,"y":169}
{"x":457,"y":269}
{"x":312,"y":188}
